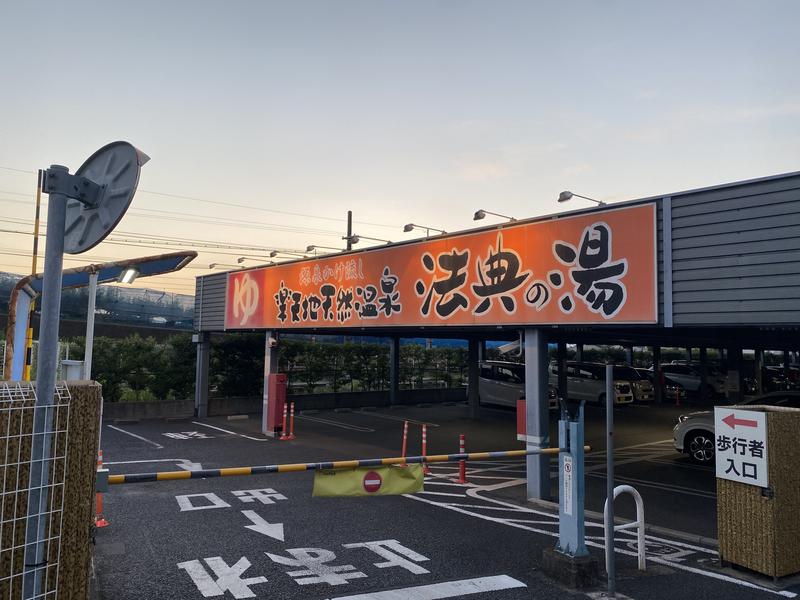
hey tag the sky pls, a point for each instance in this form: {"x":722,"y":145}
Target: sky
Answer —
{"x":266,"y":122}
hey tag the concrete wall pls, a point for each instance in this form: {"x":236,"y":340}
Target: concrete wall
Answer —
{"x":176,"y":409}
{"x":180,"y":409}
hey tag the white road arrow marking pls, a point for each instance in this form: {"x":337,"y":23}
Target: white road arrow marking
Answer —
{"x":187,"y":465}
{"x":273,"y":530}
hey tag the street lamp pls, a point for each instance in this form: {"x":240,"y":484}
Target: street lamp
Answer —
{"x":314,"y":247}
{"x":128,"y":275}
{"x":224,"y":266}
{"x":481,"y":214}
{"x":241,"y":259}
{"x":565,"y":196}
{"x":275,"y":253}
{"x":412,"y":226}
{"x":354,"y":239}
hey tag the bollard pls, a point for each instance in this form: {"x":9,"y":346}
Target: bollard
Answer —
{"x":425,"y":469}
{"x":99,"y":521}
{"x":677,"y":396}
{"x":462,"y":464}
{"x":291,"y":421}
{"x":285,"y":429}
{"x":405,"y":438}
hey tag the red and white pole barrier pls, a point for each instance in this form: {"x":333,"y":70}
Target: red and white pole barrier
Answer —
{"x":284,"y":429}
{"x":462,"y":464}
{"x":99,"y":521}
{"x":425,"y":469}
{"x":405,"y":439}
{"x":291,"y":421}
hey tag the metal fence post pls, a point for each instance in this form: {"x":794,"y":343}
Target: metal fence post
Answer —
{"x":35,"y":533}
{"x":609,"y":516}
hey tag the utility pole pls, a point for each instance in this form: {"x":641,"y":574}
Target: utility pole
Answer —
{"x":349,"y":229}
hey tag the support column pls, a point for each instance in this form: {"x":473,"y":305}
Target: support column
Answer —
{"x":786,"y":363}
{"x":688,"y":353}
{"x":203,"y":341}
{"x":561,"y":366}
{"x":734,"y":383}
{"x":394,"y":371}
{"x":482,"y":351}
{"x":270,"y":367}
{"x":629,"y":356}
{"x":579,"y":352}
{"x":758,"y":369}
{"x":537,"y":418}
{"x":473,"y":372}
{"x":659,"y":391}
{"x":704,"y":372}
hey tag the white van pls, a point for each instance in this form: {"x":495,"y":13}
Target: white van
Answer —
{"x":587,"y":381}
{"x":503,"y":383}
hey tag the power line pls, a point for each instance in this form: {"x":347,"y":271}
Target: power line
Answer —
{"x":237,"y":205}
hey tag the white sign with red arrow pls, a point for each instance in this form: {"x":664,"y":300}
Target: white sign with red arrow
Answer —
{"x":741,"y":445}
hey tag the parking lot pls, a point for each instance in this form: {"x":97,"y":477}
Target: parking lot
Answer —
{"x":265,"y":536}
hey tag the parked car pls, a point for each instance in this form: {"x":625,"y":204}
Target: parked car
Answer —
{"x":694,"y":433}
{"x":716,"y":377}
{"x":503,"y":383}
{"x":688,"y":377}
{"x":670,"y":390}
{"x":641,"y":386}
{"x":587,"y":381}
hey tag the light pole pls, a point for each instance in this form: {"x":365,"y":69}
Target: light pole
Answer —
{"x":412,"y":226}
{"x":224,"y":266}
{"x":481,"y":214}
{"x":566,"y":196}
{"x":292,"y":253}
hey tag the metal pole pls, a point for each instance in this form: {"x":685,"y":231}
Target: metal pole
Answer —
{"x":349,"y":229}
{"x":87,"y":354}
{"x":610,"y":398}
{"x":34,"y":260}
{"x":35,"y":533}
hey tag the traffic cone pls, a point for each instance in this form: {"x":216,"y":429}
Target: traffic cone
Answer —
{"x":99,"y":520}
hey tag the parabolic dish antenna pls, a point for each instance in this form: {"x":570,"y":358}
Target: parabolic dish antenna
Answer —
{"x":115,"y":168}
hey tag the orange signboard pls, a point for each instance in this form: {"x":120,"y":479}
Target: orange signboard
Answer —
{"x":591,"y":268}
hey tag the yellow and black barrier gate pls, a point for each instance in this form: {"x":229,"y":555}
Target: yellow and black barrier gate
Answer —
{"x":105,"y":480}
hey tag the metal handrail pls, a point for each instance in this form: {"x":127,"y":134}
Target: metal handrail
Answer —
{"x":638,"y":524}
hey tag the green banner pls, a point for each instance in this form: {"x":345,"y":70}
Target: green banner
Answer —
{"x":369,"y":481}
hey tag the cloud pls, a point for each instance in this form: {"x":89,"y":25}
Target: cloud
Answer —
{"x":483,"y":171}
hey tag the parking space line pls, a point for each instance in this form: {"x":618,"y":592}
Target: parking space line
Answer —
{"x":138,"y":437}
{"x":444,"y":494}
{"x":677,"y":489}
{"x":182,"y":463}
{"x":335,"y":423}
{"x":440,"y":591}
{"x":654,"y":559}
{"x":401,"y":419}
{"x":247,"y":437}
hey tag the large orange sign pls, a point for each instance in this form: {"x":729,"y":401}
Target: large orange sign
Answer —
{"x":593,"y":268}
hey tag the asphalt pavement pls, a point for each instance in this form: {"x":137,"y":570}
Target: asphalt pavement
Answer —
{"x":266,"y":537}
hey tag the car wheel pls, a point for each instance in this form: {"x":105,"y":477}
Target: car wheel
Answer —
{"x":699,"y":446}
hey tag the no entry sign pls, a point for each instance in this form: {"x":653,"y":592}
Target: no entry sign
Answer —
{"x":372,"y":482}
{"x":741,"y":445}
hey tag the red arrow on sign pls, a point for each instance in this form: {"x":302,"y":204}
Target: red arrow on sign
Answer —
{"x":731,"y":421}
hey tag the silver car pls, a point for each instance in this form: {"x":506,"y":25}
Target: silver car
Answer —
{"x":503,"y":383}
{"x":694,"y":433}
{"x":587,"y":381}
